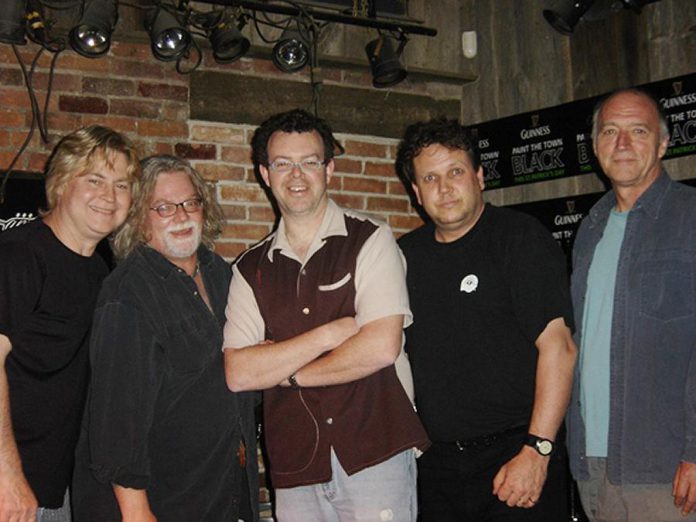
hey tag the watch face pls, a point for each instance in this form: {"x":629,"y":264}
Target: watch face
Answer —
{"x":544,"y":447}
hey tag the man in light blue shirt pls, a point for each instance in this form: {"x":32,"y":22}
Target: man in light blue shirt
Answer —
{"x":632,"y":418}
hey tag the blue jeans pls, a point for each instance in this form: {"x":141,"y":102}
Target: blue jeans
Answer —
{"x":385,"y":492}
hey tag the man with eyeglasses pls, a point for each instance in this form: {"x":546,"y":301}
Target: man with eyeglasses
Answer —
{"x":315,"y":318}
{"x":163,"y":437}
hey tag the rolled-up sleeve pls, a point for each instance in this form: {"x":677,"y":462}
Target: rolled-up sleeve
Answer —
{"x":244,"y":324}
{"x":125,"y":380}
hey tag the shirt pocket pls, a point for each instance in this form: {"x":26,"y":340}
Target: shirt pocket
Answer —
{"x":667,"y":285}
{"x":338,"y":284}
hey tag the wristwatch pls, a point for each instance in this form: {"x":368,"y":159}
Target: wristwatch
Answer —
{"x":543,"y":447}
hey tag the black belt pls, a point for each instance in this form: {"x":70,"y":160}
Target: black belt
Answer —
{"x":484,"y":440}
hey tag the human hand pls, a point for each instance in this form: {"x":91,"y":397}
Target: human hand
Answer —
{"x":17,"y":500}
{"x":684,"y":487}
{"x":520,"y":480}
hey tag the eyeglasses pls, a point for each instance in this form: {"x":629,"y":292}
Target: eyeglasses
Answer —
{"x":308,"y":166}
{"x":169,"y":209}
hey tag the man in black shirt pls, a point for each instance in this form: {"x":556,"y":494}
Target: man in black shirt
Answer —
{"x":49,"y":280}
{"x":163,"y":437}
{"x":490,"y":344}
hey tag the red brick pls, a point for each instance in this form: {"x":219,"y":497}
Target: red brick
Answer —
{"x":397,"y":188}
{"x":14,"y":98}
{"x":248,"y":231}
{"x":146,"y":69}
{"x":242,"y":192}
{"x":175,"y":111}
{"x":117,"y":123}
{"x":83,"y":104}
{"x":63,"y":121}
{"x":4,"y":138}
{"x":61,"y":82}
{"x":6,"y":158}
{"x":197,"y":151}
{"x":140,"y":52}
{"x":385,"y":170}
{"x":241,"y":154}
{"x":106,"y":86}
{"x":387,"y":204}
{"x":217,"y":134}
{"x":163,"y":91}
{"x":234,"y":211}
{"x":406,"y":223}
{"x":373,"y":186}
{"x":37,"y":161}
{"x":349,"y":201}
{"x":361,"y":148}
{"x":349,"y":166}
{"x":162,"y":128}
{"x":11,"y":77}
{"x":217,"y":171}
{"x":262,"y":213}
{"x":11,"y":118}
{"x":135,"y":108}
{"x":230,"y":250}
{"x":72,"y":60}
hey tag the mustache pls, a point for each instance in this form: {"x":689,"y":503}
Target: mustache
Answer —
{"x":178,"y":227}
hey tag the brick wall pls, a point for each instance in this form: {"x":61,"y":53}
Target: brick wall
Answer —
{"x":149,"y":101}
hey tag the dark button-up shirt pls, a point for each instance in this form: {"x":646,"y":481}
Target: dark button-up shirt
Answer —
{"x":652,"y":416}
{"x":161,"y":417}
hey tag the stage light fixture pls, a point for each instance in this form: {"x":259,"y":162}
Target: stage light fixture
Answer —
{"x":12,"y":22}
{"x":291,"y":52}
{"x":91,"y":37}
{"x":385,"y":62}
{"x":565,"y":14}
{"x":169,"y":40}
{"x":227,"y":41}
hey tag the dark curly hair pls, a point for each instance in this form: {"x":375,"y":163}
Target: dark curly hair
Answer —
{"x":296,"y":120}
{"x":438,"y":131}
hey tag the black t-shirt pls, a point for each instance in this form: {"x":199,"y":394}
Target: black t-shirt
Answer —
{"x":47,"y":297}
{"x":479,"y":303}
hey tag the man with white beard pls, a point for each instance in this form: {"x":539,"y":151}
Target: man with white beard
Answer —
{"x":163,"y":437}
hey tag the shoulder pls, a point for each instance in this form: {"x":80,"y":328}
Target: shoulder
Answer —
{"x":418,"y":237}
{"x":514,"y":224}
{"x":356,"y":221}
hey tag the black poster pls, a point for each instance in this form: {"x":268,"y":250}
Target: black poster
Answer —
{"x":24,"y":196}
{"x":556,"y":142}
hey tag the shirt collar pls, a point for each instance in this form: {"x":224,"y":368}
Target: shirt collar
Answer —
{"x":333,"y":224}
{"x":165,"y":268}
{"x":650,"y":201}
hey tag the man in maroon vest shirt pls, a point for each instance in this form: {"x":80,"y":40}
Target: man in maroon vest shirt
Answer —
{"x":315,"y":318}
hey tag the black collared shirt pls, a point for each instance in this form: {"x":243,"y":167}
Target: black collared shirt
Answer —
{"x":160,"y":416}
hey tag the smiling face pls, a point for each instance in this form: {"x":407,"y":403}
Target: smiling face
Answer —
{"x":298,"y":193}
{"x":93,"y":204}
{"x":628,"y":143}
{"x":176,"y":237}
{"x":449,"y":189}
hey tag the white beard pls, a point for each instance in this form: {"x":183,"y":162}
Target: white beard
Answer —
{"x":177,"y":248}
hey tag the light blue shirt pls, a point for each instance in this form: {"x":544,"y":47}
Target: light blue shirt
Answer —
{"x":596,"y":335}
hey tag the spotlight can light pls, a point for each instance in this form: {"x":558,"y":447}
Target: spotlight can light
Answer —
{"x":227,"y":41}
{"x":12,"y":22}
{"x":565,"y":14}
{"x":291,"y":53}
{"x":385,"y":64}
{"x":169,"y":41}
{"x":91,"y":37}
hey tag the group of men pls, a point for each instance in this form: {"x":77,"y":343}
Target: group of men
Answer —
{"x":172,"y":346}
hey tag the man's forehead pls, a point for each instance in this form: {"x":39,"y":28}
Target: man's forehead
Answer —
{"x":629,"y":105}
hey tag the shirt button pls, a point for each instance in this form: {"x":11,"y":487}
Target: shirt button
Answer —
{"x":195,"y":293}
{"x":303,"y":272}
{"x":305,"y":311}
{"x":329,"y":420}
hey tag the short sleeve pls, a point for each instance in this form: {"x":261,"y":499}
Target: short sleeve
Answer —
{"x":538,"y":279}
{"x":126,"y":376}
{"x":381,"y":279}
{"x":244,"y":324}
{"x":20,"y":286}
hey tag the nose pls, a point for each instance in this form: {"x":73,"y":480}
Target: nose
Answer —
{"x":296,"y":171}
{"x":180,"y":214}
{"x":443,"y":185}
{"x":109,"y":192}
{"x":623,"y":140}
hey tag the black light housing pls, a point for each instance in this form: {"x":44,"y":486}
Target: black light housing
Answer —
{"x":227,"y":41}
{"x":168,"y":39}
{"x":292,"y":51}
{"x":91,"y":37}
{"x":385,"y":62}
{"x":565,"y":14}
{"x":12,"y":22}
